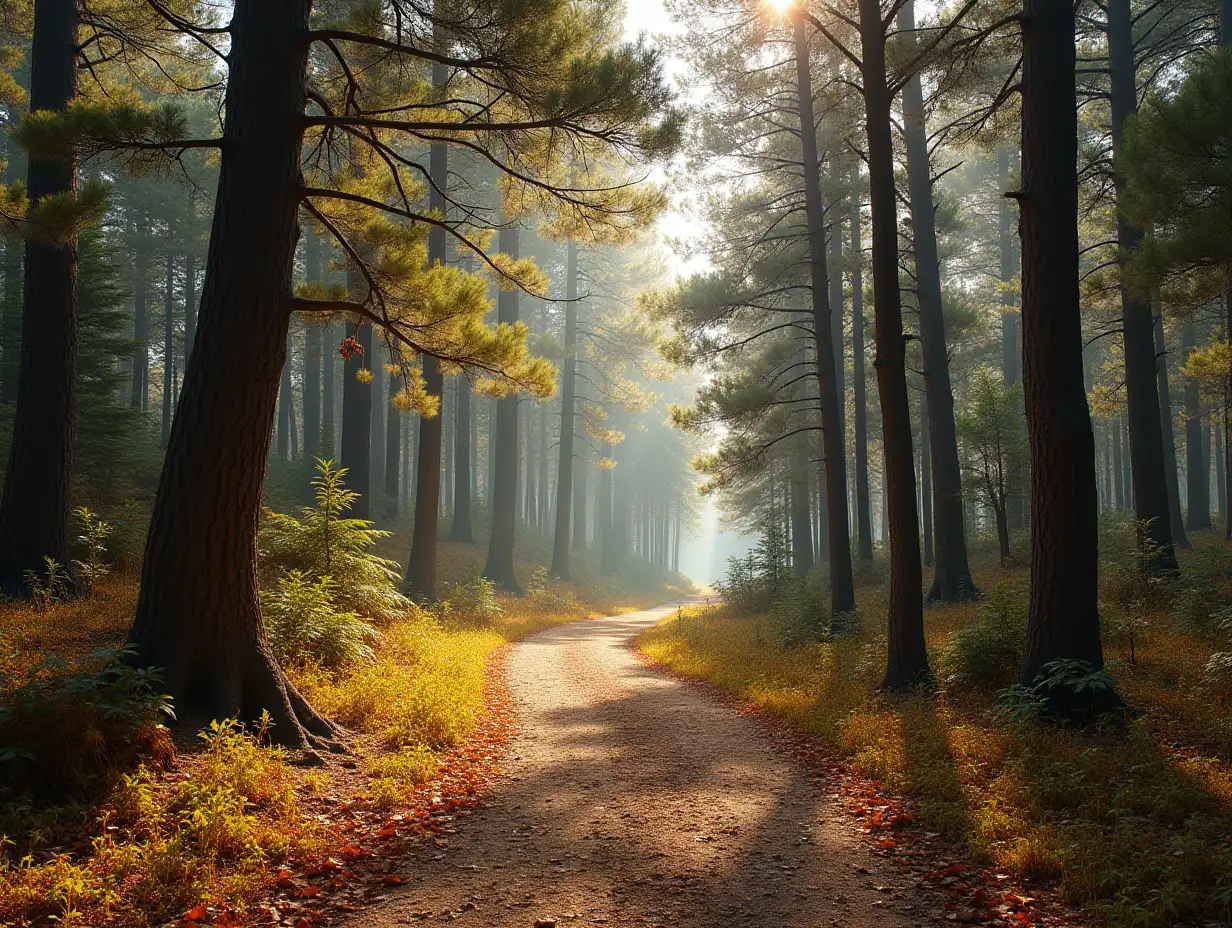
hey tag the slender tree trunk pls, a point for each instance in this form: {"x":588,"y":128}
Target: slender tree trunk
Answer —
{"x":168,"y":350}
{"x":376,"y":431}
{"x":1142,"y":397}
{"x":198,"y":615}
{"x":864,"y":518}
{"x":842,"y":587}
{"x":1118,"y":470}
{"x":139,"y":397}
{"x":568,"y":394}
{"x":952,"y":579}
{"x":1011,"y":347}
{"x":357,"y":409}
{"x":34,"y":512}
{"x":907,"y":662}
{"x":1063,"y":618}
{"x":462,"y":530}
{"x":312,"y":351}
{"x":1221,"y":489}
{"x":801,"y":534}
{"x":329,"y":378}
{"x":603,"y":518}
{"x":190,"y":305}
{"x":283,"y":446}
{"x":1003,"y":533}
{"x":926,"y":479}
{"x":1169,"y":438}
{"x":1127,"y":464}
{"x":503,"y":507}
{"x":420,"y":582}
{"x":1199,"y":515}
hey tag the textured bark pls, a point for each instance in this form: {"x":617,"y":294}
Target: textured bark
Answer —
{"x":1146,"y":442}
{"x":1063,"y":618}
{"x":864,"y":517}
{"x":842,"y":587}
{"x":1169,"y":438}
{"x":34,"y":511}
{"x":801,"y":527}
{"x":420,"y":582}
{"x":499,"y":568}
{"x":283,"y":435}
{"x":198,"y":616}
{"x":568,"y":400}
{"x":907,"y":660}
{"x":952,"y":578}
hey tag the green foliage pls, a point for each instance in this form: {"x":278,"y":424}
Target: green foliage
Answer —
{"x":323,"y":542}
{"x":987,"y":653}
{"x":303,"y":623}
{"x":1177,"y":167}
{"x":69,"y":729}
{"x":753,"y":583}
{"x":472,"y":604}
{"x":991,"y":427}
{"x":49,"y":586}
{"x":93,"y":537}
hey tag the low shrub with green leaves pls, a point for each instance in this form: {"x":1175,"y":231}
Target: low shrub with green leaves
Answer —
{"x":987,"y":654}
{"x":91,"y":568}
{"x":71,"y":728}
{"x":472,"y":604}
{"x":323,"y":542}
{"x":303,"y":622}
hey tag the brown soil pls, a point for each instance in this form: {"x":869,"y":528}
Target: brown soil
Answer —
{"x":630,"y":798}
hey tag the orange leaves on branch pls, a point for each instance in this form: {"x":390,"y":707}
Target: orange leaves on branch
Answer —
{"x":350,"y":346}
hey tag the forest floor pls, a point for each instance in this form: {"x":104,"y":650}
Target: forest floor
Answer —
{"x":630,"y":798}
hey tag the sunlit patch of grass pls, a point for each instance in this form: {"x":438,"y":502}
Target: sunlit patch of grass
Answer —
{"x":1135,"y":823}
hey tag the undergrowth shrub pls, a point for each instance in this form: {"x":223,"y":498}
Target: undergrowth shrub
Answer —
{"x":472,"y":604}
{"x":1202,"y":595}
{"x":987,"y":653}
{"x":69,"y":729}
{"x":92,"y":569}
{"x":395,"y":776}
{"x":322,"y":542}
{"x":209,"y":838}
{"x":801,"y":615}
{"x":546,"y":596}
{"x":303,"y":622}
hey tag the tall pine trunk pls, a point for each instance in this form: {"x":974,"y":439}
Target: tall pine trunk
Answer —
{"x":952,"y":578}
{"x":568,"y":400}
{"x":1146,"y":443}
{"x":926,"y":480}
{"x":842,"y":587}
{"x":34,"y":511}
{"x":1063,"y":617}
{"x":1011,"y":348}
{"x":864,"y":517}
{"x":199,"y":615}
{"x":504,"y":504}
{"x":420,"y":582}
{"x":907,"y":659}
{"x":1169,"y":437}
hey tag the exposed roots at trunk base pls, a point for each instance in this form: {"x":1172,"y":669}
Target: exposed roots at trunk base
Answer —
{"x":253,"y":689}
{"x":963,"y":591}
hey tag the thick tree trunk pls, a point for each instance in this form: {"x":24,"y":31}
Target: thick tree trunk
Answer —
{"x":199,"y":616}
{"x":952,"y":579}
{"x":568,"y":400}
{"x":1063,"y":619}
{"x":1146,"y":442}
{"x":926,"y":480}
{"x":864,"y":517}
{"x":312,"y":350}
{"x":1169,"y":437}
{"x":420,"y":582}
{"x":1197,"y":493}
{"x":842,"y":587}
{"x":907,"y":661}
{"x":34,"y":511}
{"x":168,"y":350}
{"x":499,"y":568}
{"x":11,"y":310}
{"x":801,"y":529}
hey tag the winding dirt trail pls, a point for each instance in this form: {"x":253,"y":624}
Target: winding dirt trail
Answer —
{"x":632,"y":799}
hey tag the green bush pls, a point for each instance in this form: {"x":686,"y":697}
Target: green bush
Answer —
{"x":322,"y":542}
{"x":303,"y":622}
{"x":1202,"y":596}
{"x":987,"y":654}
{"x":69,"y":729}
{"x":472,"y":604}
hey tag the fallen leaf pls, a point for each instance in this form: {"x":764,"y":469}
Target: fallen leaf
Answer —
{"x":887,"y":843}
{"x":391,"y":879}
{"x":308,"y":892}
{"x":195,"y":914}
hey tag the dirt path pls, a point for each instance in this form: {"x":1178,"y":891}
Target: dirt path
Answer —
{"x":631,"y":799}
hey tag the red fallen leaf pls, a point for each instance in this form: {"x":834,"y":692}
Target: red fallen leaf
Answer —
{"x":955,"y":870}
{"x":388,"y":831}
{"x":391,"y":880}
{"x":302,"y":923}
{"x":352,"y":852}
{"x":308,"y":892}
{"x":195,"y":914}
{"x":978,"y":897}
{"x":877,"y":818}
{"x":285,"y":883}
{"x":887,"y":843}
